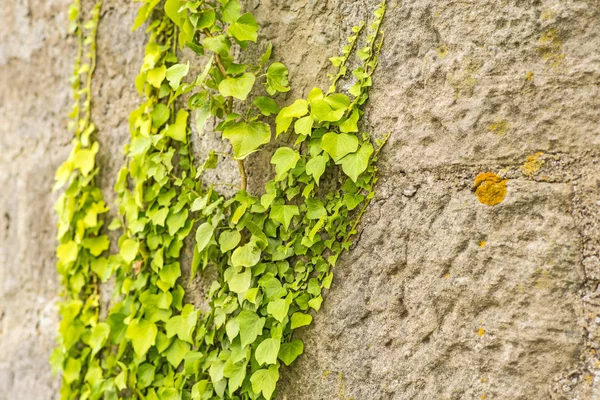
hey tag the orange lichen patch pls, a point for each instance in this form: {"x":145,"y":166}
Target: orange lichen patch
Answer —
{"x":499,"y":127}
{"x":482,"y":243}
{"x":481,"y":332}
{"x":532,"y":165}
{"x":490,"y":188}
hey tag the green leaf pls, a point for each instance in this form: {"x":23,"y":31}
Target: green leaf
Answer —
{"x":67,"y":252}
{"x":251,"y":326}
{"x":338,"y":145}
{"x":316,"y":167}
{"x":304,"y":126}
{"x":237,"y":87}
{"x":168,"y":276}
{"x":206,"y":19}
{"x":266,"y":105}
{"x":267,"y":350}
{"x":277,"y":78}
{"x":172,"y":8}
{"x":246,"y":256}
{"x":290,"y":351}
{"x":239,"y":283}
{"x":183,"y":325}
{"x":142,"y":334}
{"x":178,"y":130}
{"x":284,"y":119}
{"x":284,"y":160}
{"x":129,"y":250}
{"x":145,"y":375}
{"x":72,"y":370}
{"x":264,"y":381}
{"x":228,"y":240}
{"x":176,"y":352}
{"x":247,"y":138}
{"x":160,"y":115}
{"x":156,"y":76}
{"x":300,"y":319}
{"x":278,"y":309}
{"x":175,"y":73}
{"x":231,"y":11}
{"x":96,"y":245}
{"x":350,"y":124}
{"x":356,"y":163}
{"x":244,"y":28}
{"x":99,"y":336}
{"x":176,"y":221}
{"x":236,"y":372}
{"x":203,"y":236}
{"x":217,"y":44}
{"x":315,"y":209}
{"x":284,"y":214}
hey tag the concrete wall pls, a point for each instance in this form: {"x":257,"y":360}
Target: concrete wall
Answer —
{"x":442,"y":297}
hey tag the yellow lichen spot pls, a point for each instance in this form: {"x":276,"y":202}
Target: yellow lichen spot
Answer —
{"x":481,"y":332}
{"x":482,"y":243}
{"x":597,"y":364}
{"x":325,"y":373}
{"x":447,"y":276}
{"x":550,"y":48}
{"x":490,"y":188}
{"x":529,"y":76}
{"x":442,"y":50}
{"x":588,"y":378}
{"x":483,"y":397}
{"x":532,"y":165}
{"x":547,"y":14}
{"x":484,"y":380}
{"x":499,"y":127}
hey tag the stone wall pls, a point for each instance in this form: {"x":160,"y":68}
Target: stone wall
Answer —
{"x":442,"y":297}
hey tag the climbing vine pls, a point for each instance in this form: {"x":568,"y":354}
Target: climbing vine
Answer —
{"x":273,"y":252}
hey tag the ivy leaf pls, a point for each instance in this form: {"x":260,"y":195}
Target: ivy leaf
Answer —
{"x":72,"y":370}
{"x":178,"y":130}
{"x":183,"y":325}
{"x":67,"y":252}
{"x":176,"y":221}
{"x":228,"y":240}
{"x":284,"y":119}
{"x":160,"y":115}
{"x":244,"y":28}
{"x":246,"y":256}
{"x":142,"y":334}
{"x":236,"y":372}
{"x":231,"y":11}
{"x":316,"y":167}
{"x":206,"y":19}
{"x":350,"y":124}
{"x":315,"y":209}
{"x":203,"y":236}
{"x":239,"y":283}
{"x":265,"y":381}
{"x":145,"y":375}
{"x":278,"y":309}
{"x":247,"y":138}
{"x":217,"y":44}
{"x":251,"y":326}
{"x":284,"y":214}
{"x":99,"y":336}
{"x":168,"y":276}
{"x":356,"y":163}
{"x":267,"y":350}
{"x":96,"y":245}
{"x":304,"y":126}
{"x":175,"y":354}
{"x":129,"y":250}
{"x":338,"y":145}
{"x":237,"y":87}
{"x":156,"y":76}
{"x":175,"y":73}
{"x":290,"y":351}
{"x":300,"y":319}
{"x":284,"y":160}
{"x":277,"y":79}
{"x":172,"y":8}
{"x":266,"y":105}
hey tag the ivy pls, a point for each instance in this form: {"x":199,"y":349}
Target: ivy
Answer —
{"x":273,"y":253}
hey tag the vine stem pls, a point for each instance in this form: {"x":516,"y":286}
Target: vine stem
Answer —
{"x":240,"y":163}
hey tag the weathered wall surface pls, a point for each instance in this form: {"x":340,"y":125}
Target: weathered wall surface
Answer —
{"x":443,"y":297}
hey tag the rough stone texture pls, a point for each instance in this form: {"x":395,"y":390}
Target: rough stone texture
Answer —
{"x":442,"y":297}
